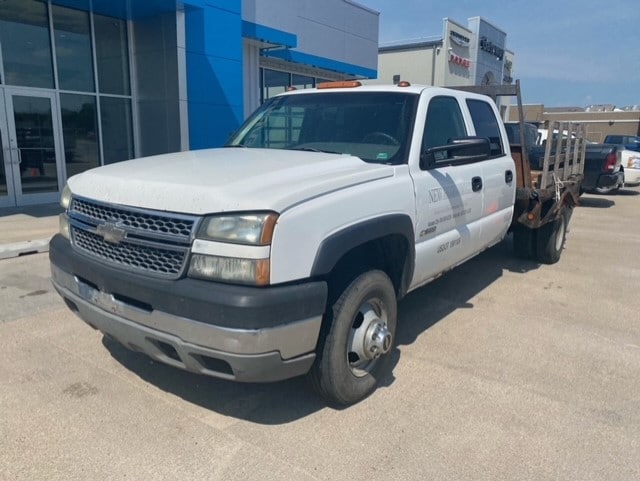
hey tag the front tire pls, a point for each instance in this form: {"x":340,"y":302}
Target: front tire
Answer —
{"x":551,"y":239}
{"x":359,"y":335}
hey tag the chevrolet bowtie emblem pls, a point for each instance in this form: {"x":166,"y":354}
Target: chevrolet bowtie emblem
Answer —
{"x":111,"y":232}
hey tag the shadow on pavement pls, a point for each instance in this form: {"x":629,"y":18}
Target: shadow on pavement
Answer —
{"x":287,"y":401}
{"x":596,"y":202}
{"x":628,"y":192}
{"x":426,"y":306}
{"x":270,"y":403}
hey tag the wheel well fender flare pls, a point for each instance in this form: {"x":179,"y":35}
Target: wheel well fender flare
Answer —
{"x":334,"y":247}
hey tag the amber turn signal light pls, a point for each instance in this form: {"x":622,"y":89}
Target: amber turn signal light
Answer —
{"x":346,"y":84}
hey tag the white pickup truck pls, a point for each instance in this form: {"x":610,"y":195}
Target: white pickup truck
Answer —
{"x":285,"y":252}
{"x":630,"y":161}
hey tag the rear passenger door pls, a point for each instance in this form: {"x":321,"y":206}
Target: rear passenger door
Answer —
{"x":449,"y":196}
{"x":498,"y":173}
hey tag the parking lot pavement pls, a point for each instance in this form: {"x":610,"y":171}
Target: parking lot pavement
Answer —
{"x":27,"y":230}
{"x":505,"y":369}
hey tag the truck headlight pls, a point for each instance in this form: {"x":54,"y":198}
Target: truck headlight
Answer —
{"x":249,"y":261}
{"x":252,"y":229}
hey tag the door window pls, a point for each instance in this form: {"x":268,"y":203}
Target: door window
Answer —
{"x":486,"y":124}
{"x":35,"y":144}
{"x":444,"y":122}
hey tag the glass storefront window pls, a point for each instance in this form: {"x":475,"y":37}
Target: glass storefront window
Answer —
{"x":72,"y":34}
{"x":26,"y":43}
{"x":301,"y":81}
{"x":117,"y":129}
{"x":80,"y":63}
{"x":274,"y":83}
{"x":112,"y":55}
{"x":80,"y":132}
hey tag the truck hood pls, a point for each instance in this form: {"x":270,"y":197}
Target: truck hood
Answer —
{"x":227,"y":179}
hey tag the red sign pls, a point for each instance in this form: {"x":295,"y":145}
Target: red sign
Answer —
{"x":458,"y":60}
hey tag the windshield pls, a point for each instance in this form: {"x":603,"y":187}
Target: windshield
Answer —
{"x":375,"y":126}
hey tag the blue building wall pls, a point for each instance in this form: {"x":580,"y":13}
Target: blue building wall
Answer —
{"x":214,"y":70}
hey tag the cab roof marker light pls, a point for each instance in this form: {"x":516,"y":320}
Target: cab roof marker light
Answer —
{"x":345,"y":84}
{"x":404,"y":83}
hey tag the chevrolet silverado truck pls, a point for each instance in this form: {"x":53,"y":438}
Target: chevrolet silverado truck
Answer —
{"x":284,"y":253}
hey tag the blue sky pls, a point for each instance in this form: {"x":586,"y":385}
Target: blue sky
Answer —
{"x":568,"y":52}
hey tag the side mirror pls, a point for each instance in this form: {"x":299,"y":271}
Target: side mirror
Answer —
{"x":463,"y":149}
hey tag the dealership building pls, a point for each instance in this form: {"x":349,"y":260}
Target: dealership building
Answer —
{"x":90,"y":82}
{"x":475,"y":54}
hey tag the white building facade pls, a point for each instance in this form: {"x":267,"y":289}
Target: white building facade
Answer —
{"x":475,"y":54}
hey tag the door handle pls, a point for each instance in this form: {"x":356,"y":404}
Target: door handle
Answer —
{"x":508,"y":176}
{"x":476,"y":184}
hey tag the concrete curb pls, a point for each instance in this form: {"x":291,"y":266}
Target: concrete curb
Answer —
{"x":24,"y":248}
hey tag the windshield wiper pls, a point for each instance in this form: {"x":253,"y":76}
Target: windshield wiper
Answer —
{"x":313,"y":149}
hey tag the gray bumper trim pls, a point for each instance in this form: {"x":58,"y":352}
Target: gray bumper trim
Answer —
{"x":253,"y":354}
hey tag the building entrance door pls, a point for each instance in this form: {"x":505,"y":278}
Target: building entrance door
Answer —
{"x":32,"y":158}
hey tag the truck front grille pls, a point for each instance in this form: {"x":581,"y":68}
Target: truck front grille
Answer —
{"x":148,"y":222}
{"x":151,"y":242}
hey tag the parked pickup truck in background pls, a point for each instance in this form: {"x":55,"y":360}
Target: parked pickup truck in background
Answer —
{"x":630,"y":161}
{"x":630,"y":142}
{"x":629,"y":156}
{"x":285,"y":252}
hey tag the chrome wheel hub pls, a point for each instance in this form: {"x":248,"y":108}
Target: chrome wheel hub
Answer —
{"x":369,"y":338}
{"x":377,"y":340}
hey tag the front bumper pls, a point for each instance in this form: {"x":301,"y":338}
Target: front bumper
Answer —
{"x":631,"y":177}
{"x":139,"y":314}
